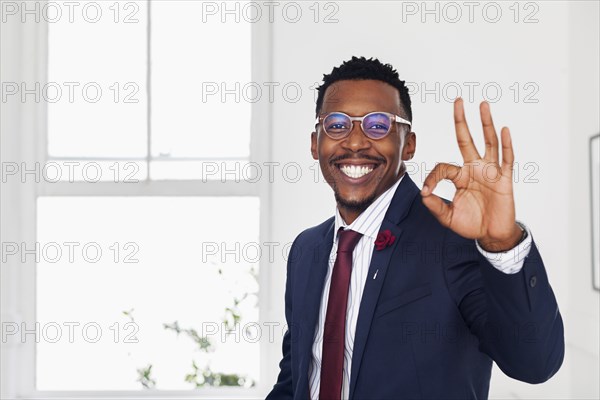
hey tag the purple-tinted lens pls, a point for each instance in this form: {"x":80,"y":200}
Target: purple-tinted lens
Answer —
{"x":337,"y":124}
{"x":376,"y":125}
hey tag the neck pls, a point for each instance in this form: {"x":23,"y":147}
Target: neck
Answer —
{"x":349,"y":214}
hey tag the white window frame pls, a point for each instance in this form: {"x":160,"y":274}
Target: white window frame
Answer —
{"x":26,"y":131}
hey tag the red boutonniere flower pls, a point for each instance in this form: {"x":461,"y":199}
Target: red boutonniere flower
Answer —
{"x":384,"y":239}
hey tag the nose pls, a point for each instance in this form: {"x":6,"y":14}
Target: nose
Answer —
{"x":356,"y":139}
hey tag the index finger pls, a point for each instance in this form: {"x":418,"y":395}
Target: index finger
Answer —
{"x":463,"y":136}
{"x":440,"y":172}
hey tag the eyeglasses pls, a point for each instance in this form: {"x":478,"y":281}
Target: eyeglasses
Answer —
{"x":375,"y":125}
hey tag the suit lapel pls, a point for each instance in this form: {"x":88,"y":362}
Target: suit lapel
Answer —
{"x":315,"y":263}
{"x":380,"y":260}
{"x":318,"y":263}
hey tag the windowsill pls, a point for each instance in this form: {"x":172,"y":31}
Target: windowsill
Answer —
{"x":208,"y":393}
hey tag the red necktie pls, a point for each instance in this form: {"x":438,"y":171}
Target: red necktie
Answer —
{"x":332,"y":365}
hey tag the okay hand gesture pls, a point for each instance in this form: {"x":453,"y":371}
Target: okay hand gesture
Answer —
{"x":483,"y":207}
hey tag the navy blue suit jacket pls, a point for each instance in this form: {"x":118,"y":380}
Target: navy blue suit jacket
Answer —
{"x":433,"y":320}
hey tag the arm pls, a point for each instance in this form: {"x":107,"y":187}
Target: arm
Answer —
{"x":515,"y":316}
{"x":283,"y":388}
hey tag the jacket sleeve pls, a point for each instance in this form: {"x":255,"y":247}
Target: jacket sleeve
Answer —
{"x":514,"y":316}
{"x":283,"y":388}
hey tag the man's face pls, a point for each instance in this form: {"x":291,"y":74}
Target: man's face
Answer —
{"x":383,"y":156}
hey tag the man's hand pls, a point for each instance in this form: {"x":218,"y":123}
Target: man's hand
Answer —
{"x":483,"y":207}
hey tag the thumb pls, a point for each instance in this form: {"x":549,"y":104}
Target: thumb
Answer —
{"x":439,"y":208}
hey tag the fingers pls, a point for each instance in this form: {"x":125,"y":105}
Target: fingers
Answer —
{"x":489,"y":133}
{"x":508,"y":156}
{"x":439,"y":208}
{"x":439,"y":172}
{"x":463,"y":136}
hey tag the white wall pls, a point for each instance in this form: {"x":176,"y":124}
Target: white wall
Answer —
{"x":552,"y":54}
{"x":584,"y":121}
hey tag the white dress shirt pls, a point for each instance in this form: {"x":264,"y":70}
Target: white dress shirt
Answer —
{"x":368,"y":223}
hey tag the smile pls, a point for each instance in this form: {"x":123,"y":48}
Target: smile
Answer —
{"x":356,"y":171}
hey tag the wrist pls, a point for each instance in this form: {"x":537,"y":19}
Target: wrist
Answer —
{"x":498,"y":246}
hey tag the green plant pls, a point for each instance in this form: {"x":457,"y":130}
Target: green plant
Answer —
{"x":145,"y":378}
{"x":204,"y":376}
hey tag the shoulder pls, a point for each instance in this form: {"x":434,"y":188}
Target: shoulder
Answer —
{"x":421,"y":215}
{"x":315,"y":234}
{"x":310,"y":239}
{"x":423,"y":221}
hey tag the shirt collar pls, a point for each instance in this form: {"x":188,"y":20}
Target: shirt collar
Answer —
{"x":369,"y":221}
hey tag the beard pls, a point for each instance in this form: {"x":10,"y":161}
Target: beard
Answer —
{"x":354,"y":205}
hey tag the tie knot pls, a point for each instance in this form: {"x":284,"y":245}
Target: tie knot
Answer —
{"x":348,"y":240}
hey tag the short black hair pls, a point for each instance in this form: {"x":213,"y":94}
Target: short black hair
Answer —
{"x":359,"y":68}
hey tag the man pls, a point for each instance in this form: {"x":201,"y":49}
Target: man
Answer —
{"x":402,"y":295}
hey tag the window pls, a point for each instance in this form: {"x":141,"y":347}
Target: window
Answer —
{"x":140,"y":267}
{"x":147,"y":222}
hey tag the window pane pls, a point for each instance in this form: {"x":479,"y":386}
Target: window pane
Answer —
{"x":96,"y":89}
{"x":196,"y":58}
{"x":195,"y":258}
{"x":91,"y":170}
{"x":240,"y":170}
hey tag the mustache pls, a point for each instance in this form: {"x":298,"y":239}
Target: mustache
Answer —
{"x":359,"y":156}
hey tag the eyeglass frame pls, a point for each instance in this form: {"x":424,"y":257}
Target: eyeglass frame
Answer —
{"x":397,"y":119}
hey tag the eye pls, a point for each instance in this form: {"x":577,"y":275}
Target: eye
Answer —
{"x":377,"y":123}
{"x":378,"y":127}
{"x":337,"y":125}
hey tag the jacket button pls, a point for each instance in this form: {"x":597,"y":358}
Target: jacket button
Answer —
{"x":532,"y":281}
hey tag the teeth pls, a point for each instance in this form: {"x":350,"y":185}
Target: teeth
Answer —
{"x":354,"y":171}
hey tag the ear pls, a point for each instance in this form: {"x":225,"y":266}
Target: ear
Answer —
{"x":313,"y":145}
{"x":410,"y":146}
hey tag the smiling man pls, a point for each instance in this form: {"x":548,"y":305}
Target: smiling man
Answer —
{"x":402,"y":295}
